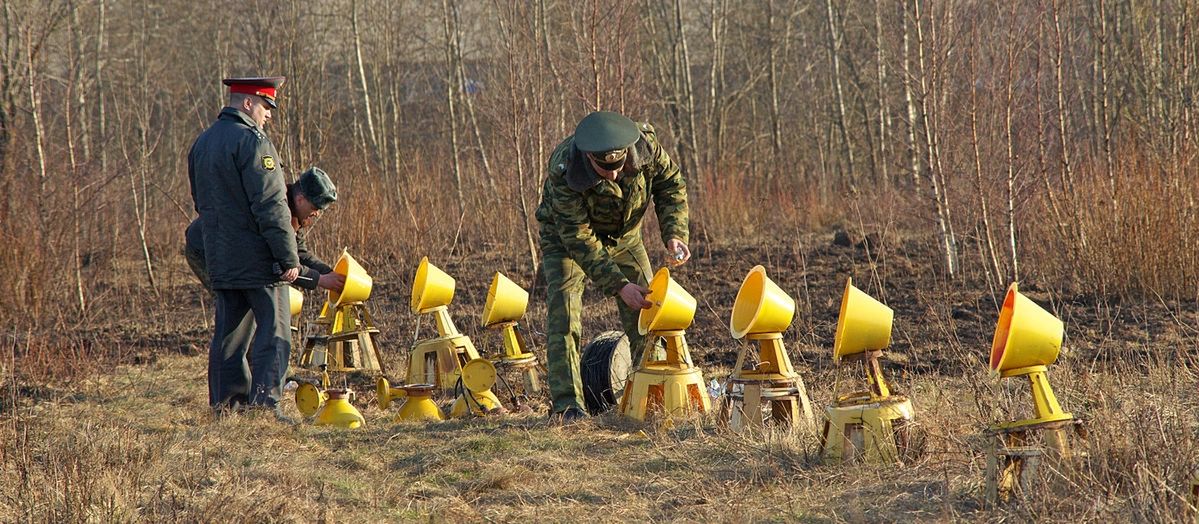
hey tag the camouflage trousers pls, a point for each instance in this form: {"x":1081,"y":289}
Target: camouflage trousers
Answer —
{"x":564,"y":302}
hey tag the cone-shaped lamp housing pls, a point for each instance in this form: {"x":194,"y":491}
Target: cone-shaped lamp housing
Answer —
{"x":431,"y":288}
{"x":506,"y":301}
{"x":1026,"y":335}
{"x":296,"y":298}
{"x":863,"y":325}
{"x":673,"y":307}
{"x":761,"y":306}
{"x":358,"y":282}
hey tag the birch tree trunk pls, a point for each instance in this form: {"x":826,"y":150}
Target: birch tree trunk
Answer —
{"x":366,"y":94}
{"x":834,"y":39}
{"x":909,"y":100}
{"x":928,"y":108}
{"x":449,"y":100}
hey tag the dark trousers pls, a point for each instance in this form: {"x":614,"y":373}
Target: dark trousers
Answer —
{"x":231,"y":378}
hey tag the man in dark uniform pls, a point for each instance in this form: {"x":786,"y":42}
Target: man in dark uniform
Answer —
{"x":600,"y":183}
{"x":249,"y":247}
{"x":307,"y":198}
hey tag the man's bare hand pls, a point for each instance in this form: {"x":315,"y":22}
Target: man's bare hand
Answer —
{"x":291,"y":274}
{"x":679,"y":252}
{"x":634,"y":296}
{"x":332,"y":282}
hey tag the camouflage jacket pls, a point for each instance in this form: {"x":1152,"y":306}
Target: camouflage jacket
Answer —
{"x":585,"y":214}
{"x":238,"y":190}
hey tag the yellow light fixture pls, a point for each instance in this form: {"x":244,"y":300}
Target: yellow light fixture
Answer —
{"x":331,"y":407}
{"x":870,"y":424}
{"x":673,"y":385}
{"x":1026,"y":341}
{"x":761,"y":312}
{"x":506,"y":305}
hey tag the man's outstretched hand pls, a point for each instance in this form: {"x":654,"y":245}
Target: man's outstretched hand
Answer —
{"x":634,"y":296}
{"x":679,"y":252}
{"x":332,"y":282}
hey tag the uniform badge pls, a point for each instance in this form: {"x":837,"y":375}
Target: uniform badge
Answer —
{"x":268,"y":163}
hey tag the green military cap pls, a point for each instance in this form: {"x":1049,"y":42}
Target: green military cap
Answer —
{"x":606,"y":134}
{"x":317,"y":188}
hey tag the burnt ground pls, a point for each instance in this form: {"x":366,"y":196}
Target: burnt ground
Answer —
{"x":1128,"y":367}
{"x":942,"y":325}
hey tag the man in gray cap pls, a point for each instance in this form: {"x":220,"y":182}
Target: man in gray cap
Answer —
{"x":600,"y":183}
{"x":307,"y":198}
{"x":249,"y":244}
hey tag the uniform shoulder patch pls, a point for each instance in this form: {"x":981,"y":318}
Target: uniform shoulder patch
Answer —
{"x":268,"y":163}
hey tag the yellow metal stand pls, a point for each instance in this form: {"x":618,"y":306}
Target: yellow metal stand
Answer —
{"x":1015,"y":453}
{"x":871,"y":424}
{"x":1027,"y":340}
{"x":773,"y":384}
{"x":672,"y":386}
{"x":860,"y":428}
{"x":316,"y":340}
{"x":1045,"y":405}
{"x":517,"y":357}
{"x":439,"y":361}
{"x":343,"y":340}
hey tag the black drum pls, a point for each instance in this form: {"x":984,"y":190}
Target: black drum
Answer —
{"x":605,"y":365}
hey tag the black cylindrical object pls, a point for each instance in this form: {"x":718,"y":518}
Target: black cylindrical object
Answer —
{"x":604,"y":366}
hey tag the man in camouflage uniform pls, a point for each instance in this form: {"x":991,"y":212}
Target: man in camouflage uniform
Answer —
{"x":249,"y":247}
{"x":600,"y":183}
{"x":307,"y":198}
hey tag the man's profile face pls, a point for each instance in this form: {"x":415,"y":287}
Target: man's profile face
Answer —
{"x":259,"y":112}
{"x":306,"y":213}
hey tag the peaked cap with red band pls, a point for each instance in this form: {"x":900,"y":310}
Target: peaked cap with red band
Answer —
{"x":264,"y":87}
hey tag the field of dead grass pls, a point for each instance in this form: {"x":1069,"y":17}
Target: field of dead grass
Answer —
{"x":137,"y":442}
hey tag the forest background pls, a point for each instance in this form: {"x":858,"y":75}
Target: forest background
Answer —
{"x":1043,"y":141}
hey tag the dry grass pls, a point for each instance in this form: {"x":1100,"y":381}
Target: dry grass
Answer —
{"x":82,"y":439}
{"x":139,"y":444}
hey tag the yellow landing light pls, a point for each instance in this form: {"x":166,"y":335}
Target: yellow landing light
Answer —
{"x":296,"y":300}
{"x":358,"y":282}
{"x":439,"y":361}
{"x":1027,"y":340}
{"x":672,"y":309}
{"x":331,"y":407}
{"x":672,"y":386}
{"x":506,"y":305}
{"x":870,"y":424}
{"x":343,"y":336}
{"x":431,"y":288}
{"x":761,"y":312}
{"x":476,"y":398}
{"x":418,"y":403}
{"x":506,"y":301}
